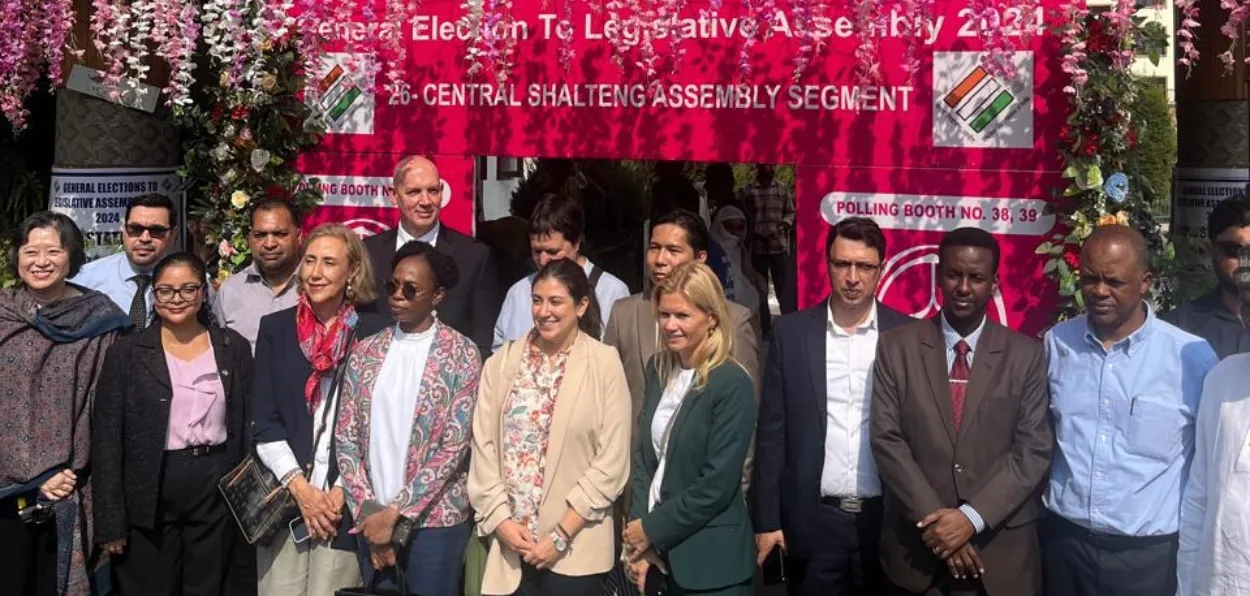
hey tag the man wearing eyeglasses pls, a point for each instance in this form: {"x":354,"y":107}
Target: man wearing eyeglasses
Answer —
{"x":148,"y":234}
{"x":817,"y":492}
{"x":1215,"y":316}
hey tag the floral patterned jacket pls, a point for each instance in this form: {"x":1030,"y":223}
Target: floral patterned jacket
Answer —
{"x":437,"y":466}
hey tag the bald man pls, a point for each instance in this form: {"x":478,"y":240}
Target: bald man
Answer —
{"x":1124,"y":389}
{"x":472,"y":305}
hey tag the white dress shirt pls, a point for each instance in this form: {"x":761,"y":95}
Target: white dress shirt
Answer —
{"x":849,"y":470}
{"x":394,"y":405}
{"x":670,"y":402}
{"x":430,"y":237}
{"x":1214,"y":558}
{"x":278,"y":457}
{"x":515,"y":318}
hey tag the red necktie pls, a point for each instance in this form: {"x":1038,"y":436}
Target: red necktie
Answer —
{"x":959,"y":381}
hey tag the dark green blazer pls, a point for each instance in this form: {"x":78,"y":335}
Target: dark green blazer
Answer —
{"x":701,"y":522}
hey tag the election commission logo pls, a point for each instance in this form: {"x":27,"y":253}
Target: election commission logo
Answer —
{"x":909,"y":282}
{"x":342,"y":95}
{"x":974,"y":108}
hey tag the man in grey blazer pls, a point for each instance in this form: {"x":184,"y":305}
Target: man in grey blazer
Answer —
{"x":677,"y":237}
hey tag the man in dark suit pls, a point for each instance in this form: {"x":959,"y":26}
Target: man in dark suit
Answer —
{"x":471,"y":306}
{"x":817,"y":495}
{"x":961,"y":438}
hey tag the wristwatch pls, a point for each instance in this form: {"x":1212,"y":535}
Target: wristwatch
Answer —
{"x":562,"y":545}
{"x":402,"y":533}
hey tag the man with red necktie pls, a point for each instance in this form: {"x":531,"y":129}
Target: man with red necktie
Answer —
{"x":961,"y":439}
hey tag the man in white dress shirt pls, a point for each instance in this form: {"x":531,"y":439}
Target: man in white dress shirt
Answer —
{"x":556,"y":228}
{"x":1215,"y":508}
{"x":817,"y":494}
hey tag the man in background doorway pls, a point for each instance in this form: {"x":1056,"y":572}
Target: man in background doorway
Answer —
{"x":770,"y":209}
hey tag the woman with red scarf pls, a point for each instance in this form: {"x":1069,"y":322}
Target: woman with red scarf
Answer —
{"x":294,"y":404}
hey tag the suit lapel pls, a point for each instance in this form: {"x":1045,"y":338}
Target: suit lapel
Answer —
{"x":153,"y":358}
{"x":816,"y":330}
{"x":933,"y":357}
{"x":648,"y":334}
{"x":986,"y":358}
{"x":566,"y":404}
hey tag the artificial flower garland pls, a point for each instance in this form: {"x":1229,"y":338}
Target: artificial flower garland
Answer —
{"x":1104,"y":185}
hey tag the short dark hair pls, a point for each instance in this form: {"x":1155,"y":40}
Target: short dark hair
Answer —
{"x":859,"y":229}
{"x":690,"y":222}
{"x":557,"y":213}
{"x":446,"y":273}
{"x":573,"y":278}
{"x":273,"y":204}
{"x":970,"y":237}
{"x":154,"y":201}
{"x":200,"y":270}
{"x":71,"y":239}
{"x":1233,"y":212}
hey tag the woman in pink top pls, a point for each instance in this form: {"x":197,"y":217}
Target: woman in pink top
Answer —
{"x":169,"y":422}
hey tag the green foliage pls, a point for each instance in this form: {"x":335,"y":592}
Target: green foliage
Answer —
{"x":240,"y":143}
{"x":1156,"y":153}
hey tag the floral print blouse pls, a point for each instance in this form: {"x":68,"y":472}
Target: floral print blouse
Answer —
{"x":526,"y":425}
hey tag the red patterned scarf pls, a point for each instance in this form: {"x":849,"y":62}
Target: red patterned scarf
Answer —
{"x":323,"y":345}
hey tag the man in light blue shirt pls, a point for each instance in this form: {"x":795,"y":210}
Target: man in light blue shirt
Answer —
{"x":556,"y":227}
{"x":148,"y":234}
{"x":1124,"y":394}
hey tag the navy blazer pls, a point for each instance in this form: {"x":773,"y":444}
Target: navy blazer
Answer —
{"x":790,"y":435}
{"x":279,"y":412}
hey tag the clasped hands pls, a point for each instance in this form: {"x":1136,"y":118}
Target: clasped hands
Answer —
{"x":542,"y":554}
{"x":378,"y":530}
{"x":321,"y":509}
{"x":946,"y":532}
{"x":639,"y":555}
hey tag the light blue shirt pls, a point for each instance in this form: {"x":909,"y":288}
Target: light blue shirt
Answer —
{"x":515,"y":319}
{"x":1124,"y":424}
{"x":111,"y":276}
{"x":952,"y":338}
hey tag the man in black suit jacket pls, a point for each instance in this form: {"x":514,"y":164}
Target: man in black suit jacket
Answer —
{"x":472,"y":306}
{"x":817,"y":494}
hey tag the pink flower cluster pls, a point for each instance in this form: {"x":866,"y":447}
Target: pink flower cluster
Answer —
{"x":1072,"y":38}
{"x":33,"y":37}
{"x":1238,"y":13}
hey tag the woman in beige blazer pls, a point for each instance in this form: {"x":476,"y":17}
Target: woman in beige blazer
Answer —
{"x":551,"y":447}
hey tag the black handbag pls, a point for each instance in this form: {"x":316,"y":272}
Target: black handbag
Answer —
{"x":256,"y":498}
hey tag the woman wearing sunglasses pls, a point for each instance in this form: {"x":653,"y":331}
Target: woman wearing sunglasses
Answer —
{"x":402,"y":436}
{"x":168,"y":424}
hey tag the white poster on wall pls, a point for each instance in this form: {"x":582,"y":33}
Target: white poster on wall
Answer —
{"x":1198,"y":191}
{"x":96,"y":199}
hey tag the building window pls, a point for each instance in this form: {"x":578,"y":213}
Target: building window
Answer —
{"x":508,"y":168}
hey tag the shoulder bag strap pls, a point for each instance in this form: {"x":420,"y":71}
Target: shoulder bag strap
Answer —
{"x":335,"y":384}
{"x":595,"y":274}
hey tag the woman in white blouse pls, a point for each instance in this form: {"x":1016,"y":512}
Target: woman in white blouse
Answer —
{"x":402,"y":437}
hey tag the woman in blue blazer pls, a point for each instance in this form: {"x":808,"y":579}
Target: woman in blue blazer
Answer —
{"x":688,"y":514}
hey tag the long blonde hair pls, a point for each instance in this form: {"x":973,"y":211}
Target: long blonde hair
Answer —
{"x":697,"y":284}
{"x":360,"y":289}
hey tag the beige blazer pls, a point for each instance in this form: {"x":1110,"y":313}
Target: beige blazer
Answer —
{"x":587,"y":461}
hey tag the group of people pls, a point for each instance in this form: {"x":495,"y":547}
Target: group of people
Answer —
{"x":436,"y":441}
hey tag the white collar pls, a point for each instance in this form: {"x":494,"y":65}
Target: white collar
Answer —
{"x":866,"y":324}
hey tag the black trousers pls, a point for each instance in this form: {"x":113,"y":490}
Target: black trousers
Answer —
{"x":1078,"y":562}
{"x":776,"y":267}
{"x":187,"y":552}
{"x":27,"y":554}
{"x":544,"y":582}
{"x":845,"y":561}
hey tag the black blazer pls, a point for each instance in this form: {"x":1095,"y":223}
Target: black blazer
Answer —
{"x":472,"y":306}
{"x":279,"y":412}
{"x":130,"y":423}
{"x":790,"y":436}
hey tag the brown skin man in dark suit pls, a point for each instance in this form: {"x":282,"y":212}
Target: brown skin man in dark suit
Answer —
{"x":961,"y":439}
